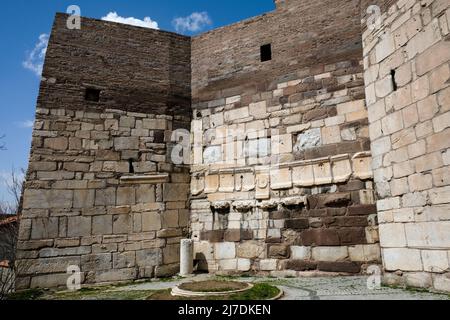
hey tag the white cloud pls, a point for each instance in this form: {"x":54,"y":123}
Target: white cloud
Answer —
{"x":146,"y":23}
{"x":197,"y":21}
{"x":26,"y":124}
{"x":35,"y":58}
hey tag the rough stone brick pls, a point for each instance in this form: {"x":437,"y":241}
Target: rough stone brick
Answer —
{"x":278,"y":251}
{"x":268,"y":265}
{"x":320,"y":237}
{"x":45,"y":228}
{"x":347,"y":267}
{"x":297,"y":224}
{"x":300,"y":253}
{"x":58,"y":144}
{"x":225,"y":250}
{"x":79,"y":227}
{"x":392,"y":123}
{"x":102,"y":225}
{"x":330,"y":253}
{"x":402,"y":259}
{"x":301,"y":265}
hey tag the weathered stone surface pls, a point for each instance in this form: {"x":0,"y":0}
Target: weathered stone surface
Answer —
{"x":330,"y":253}
{"x":46,"y":199}
{"x":347,"y":267}
{"x":300,"y":253}
{"x":278,"y":251}
{"x":250,"y":250}
{"x":307,"y":140}
{"x":301,"y":265}
{"x":225,"y":250}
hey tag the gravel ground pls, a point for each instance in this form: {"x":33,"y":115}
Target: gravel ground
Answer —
{"x":320,"y":288}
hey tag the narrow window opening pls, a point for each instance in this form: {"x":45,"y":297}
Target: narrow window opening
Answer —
{"x":158,"y":136}
{"x":92,"y":95}
{"x":266,"y":52}
{"x":394,"y":83}
{"x":130,"y":166}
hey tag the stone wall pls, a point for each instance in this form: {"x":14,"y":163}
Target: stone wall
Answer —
{"x":281,"y":175}
{"x":407,"y":76}
{"x":101,"y":192}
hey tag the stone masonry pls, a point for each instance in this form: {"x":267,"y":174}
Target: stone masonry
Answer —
{"x":297,"y":156}
{"x":281,"y":175}
{"x":101,"y":192}
{"x":407,"y":78}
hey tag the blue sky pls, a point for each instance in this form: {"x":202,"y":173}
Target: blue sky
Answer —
{"x":24,"y":21}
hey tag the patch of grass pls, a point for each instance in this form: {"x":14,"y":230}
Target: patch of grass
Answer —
{"x":102,"y":295}
{"x":213,"y":286}
{"x":260,"y":291}
{"x":32,"y":294}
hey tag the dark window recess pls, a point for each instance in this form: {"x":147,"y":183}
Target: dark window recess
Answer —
{"x":266,"y":52}
{"x":394,"y":83}
{"x":130,"y":166}
{"x":92,"y":95}
{"x":158,"y":136}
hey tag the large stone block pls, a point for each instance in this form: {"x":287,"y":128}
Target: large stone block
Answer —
{"x":126,"y":196}
{"x":402,"y":259}
{"x":79,"y":227}
{"x":392,"y":235}
{"x":171,"y":254}
{"x":176,"y":192}
{"x":250,"y":250}
{"x":281,"y":178}
{"x":122,"y":224}
{"x":102,"y":225}
{"x":50,"y":265}
{"x":83,"y":199}
{"x":281,"y":144}
{"x":330,"y":253}
{"x":300,"y":253}
{"x":303,"y":176}
{"x":320,"y":237}
{"x":105,"y":197}
{"x":149,"y":257}
{"x":428,"y":234}
{"x":225,"y":250}
{"x":44,"y":228}
{"x":308,"y":140}
{"x":126,"y":143}
{"x":344,"y":266}
{"x":365,"y":253}
{"x":58,"y":144}
{"x":436,"y":261}
{"x":268,"y":265}
{"x":48,"y":199}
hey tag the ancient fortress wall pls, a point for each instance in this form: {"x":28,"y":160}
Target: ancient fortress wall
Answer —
{"x":282,"y":175}
{"x":310,"y":136}
{"x":86,"y":203}
{"x":407,"y":72}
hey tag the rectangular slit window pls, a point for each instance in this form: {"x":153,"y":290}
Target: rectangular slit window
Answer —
{"x":394,"y":82}
{"x":92,"y":95}
{"x":266,"y":52}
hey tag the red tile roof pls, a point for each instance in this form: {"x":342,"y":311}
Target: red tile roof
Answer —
{"x":8,"y":221}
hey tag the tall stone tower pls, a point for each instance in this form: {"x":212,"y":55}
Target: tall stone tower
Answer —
{"x":101,"y":192}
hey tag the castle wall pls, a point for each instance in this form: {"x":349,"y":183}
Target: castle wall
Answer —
{"x":101,"y":192}
{"x":281,"y":174}
{"x":407,"y":73}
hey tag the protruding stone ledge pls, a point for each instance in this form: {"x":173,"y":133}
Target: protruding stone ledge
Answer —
{"x":145,"y":179}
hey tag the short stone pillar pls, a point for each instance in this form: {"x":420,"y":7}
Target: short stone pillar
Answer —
{"x":186,"y":257}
